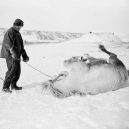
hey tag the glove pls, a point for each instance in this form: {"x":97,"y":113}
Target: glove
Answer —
{"x":25,"y":57}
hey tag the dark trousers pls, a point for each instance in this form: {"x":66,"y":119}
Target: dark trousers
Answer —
{"x":13,"y":72}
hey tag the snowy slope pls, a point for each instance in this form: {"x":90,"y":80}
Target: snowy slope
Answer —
{"x":34,"y":108}
{"x":35,"y":36}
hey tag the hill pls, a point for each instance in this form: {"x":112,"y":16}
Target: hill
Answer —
{"x":35,"y":36}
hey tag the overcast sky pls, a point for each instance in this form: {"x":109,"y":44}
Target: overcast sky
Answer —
{"x":67,"y":15}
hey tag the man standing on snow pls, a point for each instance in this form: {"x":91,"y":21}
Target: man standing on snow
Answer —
{"x":12,"y":50}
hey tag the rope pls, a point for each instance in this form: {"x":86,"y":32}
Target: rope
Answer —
{"x":38,"y":70}
{"x":33,"y":68}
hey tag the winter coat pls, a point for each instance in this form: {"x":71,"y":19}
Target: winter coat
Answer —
{"x":13,"y":44}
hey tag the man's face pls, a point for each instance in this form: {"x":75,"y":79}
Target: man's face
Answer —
{"x":18,"y":28}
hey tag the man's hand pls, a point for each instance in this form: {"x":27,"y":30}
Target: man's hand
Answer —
{"x":26,"y":59}
{"x":25,"y":56}
{"x":13,"y":54}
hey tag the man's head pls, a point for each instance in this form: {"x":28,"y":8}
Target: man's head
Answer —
{"x":18,"y":23}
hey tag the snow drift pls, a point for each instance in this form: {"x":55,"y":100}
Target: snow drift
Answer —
{"x":89,"y":76}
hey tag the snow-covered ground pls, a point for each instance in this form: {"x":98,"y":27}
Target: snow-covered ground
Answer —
{"x":34,"y":108}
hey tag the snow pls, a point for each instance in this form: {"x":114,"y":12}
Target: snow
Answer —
{"x":34,"y":108}
{"x":102,"y":37}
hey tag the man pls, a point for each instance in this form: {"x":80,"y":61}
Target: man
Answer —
{"x":12,"y":50}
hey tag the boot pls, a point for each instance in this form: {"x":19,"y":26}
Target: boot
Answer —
{"x":6,"y":87}
{"x":16,"y":88}
{"x":6,"y":90}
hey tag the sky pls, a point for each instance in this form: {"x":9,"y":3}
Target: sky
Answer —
{"x":67,"y":15}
